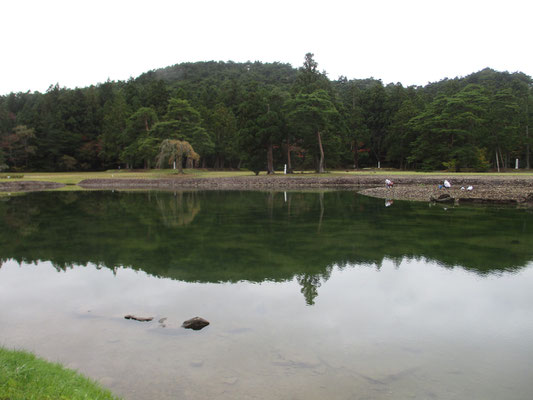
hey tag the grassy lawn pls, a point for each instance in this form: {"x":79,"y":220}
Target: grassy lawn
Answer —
{"x":73,"y":178}
{"x":26,"y":377}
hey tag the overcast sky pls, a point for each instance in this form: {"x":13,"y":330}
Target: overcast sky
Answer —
{"x":79,"y":43}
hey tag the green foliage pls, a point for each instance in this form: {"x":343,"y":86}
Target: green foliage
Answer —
{"x":310,"y":79}
{"x":244,"y":114}
{"x":452,"y":128}
{"x":143,"y":149}
{"x":450,"y":165}
{"x":24,"y":376}
{"x":222,"y":125}
{"x":482,"y":164}
{"x":183,"y":122}
{"x":3,"y":165}
{"x":68,"y":163}
{"x":18,"y":146}
{"x":311,"y":119}
{"x":134,"y":138}
{"x":114,"y":123}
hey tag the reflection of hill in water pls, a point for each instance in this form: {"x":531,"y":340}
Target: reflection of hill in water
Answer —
{"x":256,"y":236}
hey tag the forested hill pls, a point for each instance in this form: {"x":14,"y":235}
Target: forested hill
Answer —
{"x":218,"y":72}
{"x":264,"y":115}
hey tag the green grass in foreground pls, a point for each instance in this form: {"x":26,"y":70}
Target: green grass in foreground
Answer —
{"x":26,"y":377}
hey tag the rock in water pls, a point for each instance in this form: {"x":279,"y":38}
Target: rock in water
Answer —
{"x":142,"y":319}
{"x":195,"y":323}
{"x":443,"y":198}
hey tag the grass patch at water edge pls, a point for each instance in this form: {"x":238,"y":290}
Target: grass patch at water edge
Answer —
{"x":23,"y":376}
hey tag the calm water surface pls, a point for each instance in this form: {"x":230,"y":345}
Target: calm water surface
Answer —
{"x":310,"y":295}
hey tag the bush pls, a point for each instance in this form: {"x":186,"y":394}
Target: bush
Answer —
{"x":482,"y":165}
{"x":451,"y":166}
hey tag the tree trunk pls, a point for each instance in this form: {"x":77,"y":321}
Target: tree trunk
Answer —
{"x":321,"y":202}
{"x":320,"y":168}
{"x":527,"y":147}
{"x":505,"y":160}
{"x":270,"y":159}
{"x":179,"y":162}
{"x":289,"y":164}
{"x":146,"y":124}
{"x":270,"y":205}
{"x":527,"y":133}
{"x":355,"y":155}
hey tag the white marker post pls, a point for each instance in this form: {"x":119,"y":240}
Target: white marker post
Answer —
{"x":516,"y":164}
{"x":285,"y":169}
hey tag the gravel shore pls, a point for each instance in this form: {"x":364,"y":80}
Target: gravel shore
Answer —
{"x":486,"y":188}
{"x":28,"y":186}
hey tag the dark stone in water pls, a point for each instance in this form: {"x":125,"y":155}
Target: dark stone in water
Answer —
{"x":195,"y":323}
{"x":141,"y":319}
{"x":443,"y":198}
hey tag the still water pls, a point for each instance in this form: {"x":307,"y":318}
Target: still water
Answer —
{"x":310,"y":295}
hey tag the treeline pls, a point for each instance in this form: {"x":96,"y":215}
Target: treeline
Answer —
{"x":263,"y":116}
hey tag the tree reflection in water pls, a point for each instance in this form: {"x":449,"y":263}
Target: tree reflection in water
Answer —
{"x":178,"y":210}
{"x":256,"y":236}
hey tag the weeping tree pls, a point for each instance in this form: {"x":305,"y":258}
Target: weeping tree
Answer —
{"x":174,"y":151}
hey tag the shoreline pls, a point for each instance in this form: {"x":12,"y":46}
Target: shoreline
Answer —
{"x":487,"y":189}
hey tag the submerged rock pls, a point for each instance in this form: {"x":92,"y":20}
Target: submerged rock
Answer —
{"x":443,"y":198}
{"x":527,"y":199}
{"x":195,"y":323}
{"x":141,"y":319}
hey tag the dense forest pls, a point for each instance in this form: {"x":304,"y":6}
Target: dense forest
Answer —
{"x":262,"y":116}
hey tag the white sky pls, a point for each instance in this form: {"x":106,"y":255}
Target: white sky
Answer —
{"x":80,"y":42}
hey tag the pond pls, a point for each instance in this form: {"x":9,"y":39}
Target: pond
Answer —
{"x":310,"y":295}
